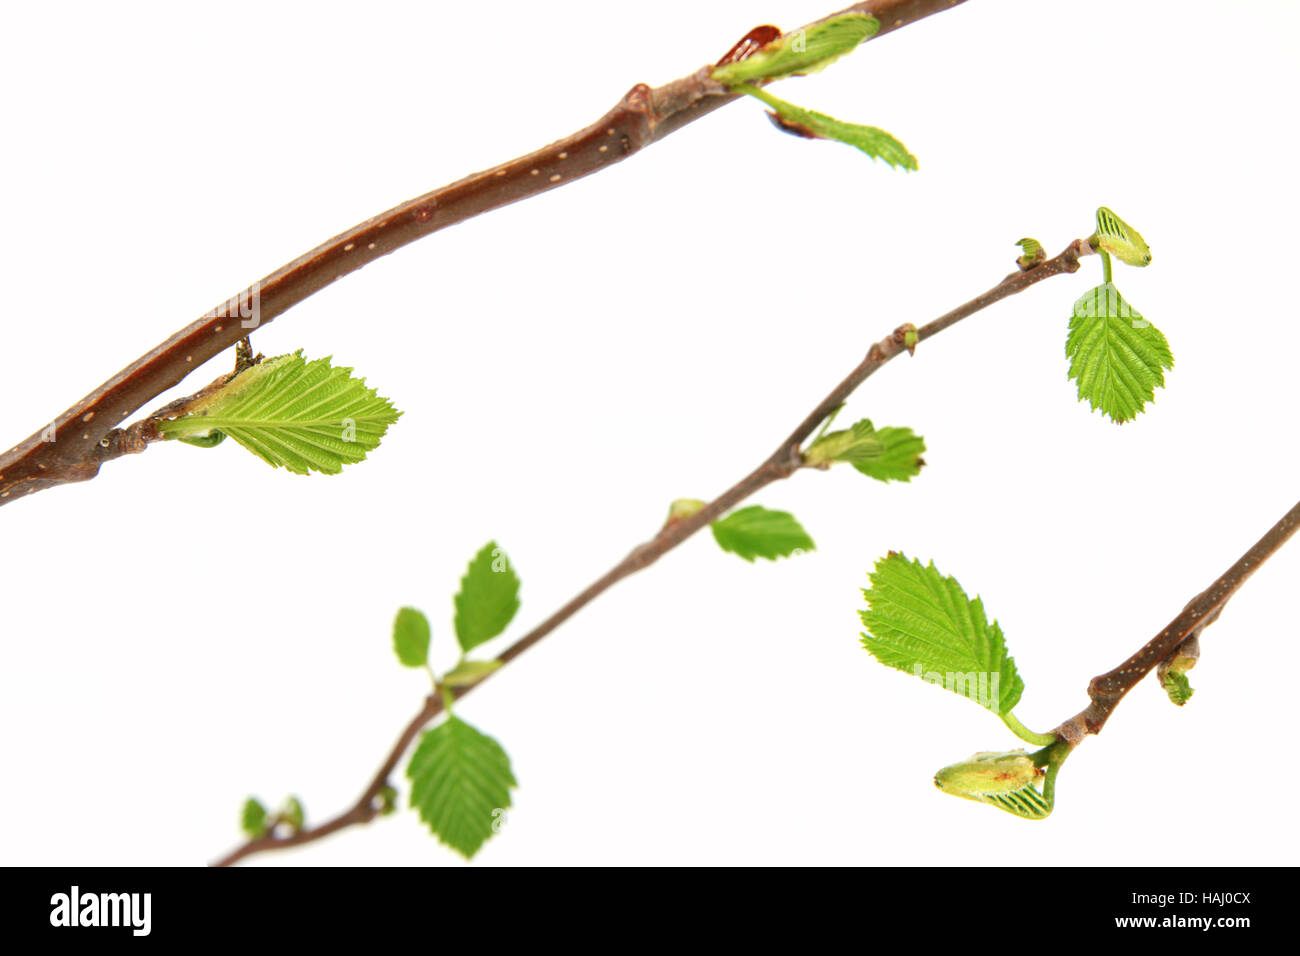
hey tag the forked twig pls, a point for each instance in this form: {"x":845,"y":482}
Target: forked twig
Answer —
{"x":782,"y":463}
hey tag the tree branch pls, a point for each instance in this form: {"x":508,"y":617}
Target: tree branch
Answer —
{"x":1107,"y":690}
{"x":782,"y":463}
{"x":76,"y":443}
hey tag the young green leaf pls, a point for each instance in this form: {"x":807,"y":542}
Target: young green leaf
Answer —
{"x":1172,"y":671}
{"x":488,"y":597}
{"x":469,"y":672}
{"x":922,"y":622}
{"x":1120,"y":239}
{"x":900,"y":457}
{"x":804,"y":51}
{"x":1178,"y":687}
{"x":411,"y":637}
{"x":1116,"y":357}
{"x":1033,"y":252}
{"x":876,"y":143}
{"x":253,"y":819}
{"x":460,"y":783}
{"x":756,"y":532}
{"x":886,"y":454}
{"x":303,"y":416}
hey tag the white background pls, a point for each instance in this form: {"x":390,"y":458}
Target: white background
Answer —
{"x":193,"y":627}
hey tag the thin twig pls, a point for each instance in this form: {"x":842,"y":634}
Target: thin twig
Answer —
{"x":1107,"y":690}
{"x":368,"y":806}
{"x":782,"y":463}
{"x":76,"y":443}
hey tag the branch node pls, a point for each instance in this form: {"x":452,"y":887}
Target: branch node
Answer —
{"x":1073,"y":731}
{"x":906,"y":336}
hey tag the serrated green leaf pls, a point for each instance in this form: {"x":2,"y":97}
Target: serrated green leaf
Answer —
{"x":804,"y":51}
{"x":900,"y":456}
{"x":886,"y":454}
{"x":459,"y":777}
{"x":1120,"y":239}
{"x":1178,"y":687}
{"x":756,"y":532}
{"x":299,"y":415}
{"x":921,"y":622}
{"x":1116,"y":356}
{"x":252,"y":819}
{"x":469,"y":672}
{"x":876,"y":143}
{"x":411,"y":636}
{"x":488,"y":597}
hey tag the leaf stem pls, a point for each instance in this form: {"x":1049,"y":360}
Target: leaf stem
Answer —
{"x":1024,"y":733}
{"x":749,"y":89}
{"x":1051,"y":757}
{"x":1105,"y":267}
{"x":827,"y":424}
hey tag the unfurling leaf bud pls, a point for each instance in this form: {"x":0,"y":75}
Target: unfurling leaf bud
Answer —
{"x":293,"y":813}
{"x":1120,"y":239}
{"x":859,"y":443}
{"x":910,"y":337}
{"x":1172,"y":672}
{"x":469,"y":672}
{"x":1008,"y":781}
{"x":987,"y":773}
{"x":804,"y":51}
{"x":886,"y":454}
{"x":252,"y":819}
{"x":1034,"y":253}
{"x":683,"y":508}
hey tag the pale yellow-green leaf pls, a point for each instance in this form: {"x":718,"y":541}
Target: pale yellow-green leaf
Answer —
{"x":469,"y":672}
{"x":1120,"y":239}
{"x":803,"y":51}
